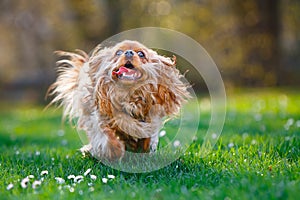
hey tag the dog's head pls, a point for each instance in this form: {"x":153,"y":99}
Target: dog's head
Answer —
{"x":130,"y":63}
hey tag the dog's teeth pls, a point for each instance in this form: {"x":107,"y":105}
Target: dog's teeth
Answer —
{"x":129,"y":76}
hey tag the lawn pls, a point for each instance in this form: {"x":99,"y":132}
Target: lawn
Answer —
{"x":256,"y":157}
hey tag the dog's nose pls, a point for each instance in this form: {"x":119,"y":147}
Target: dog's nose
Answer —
{"x":129,"y":54}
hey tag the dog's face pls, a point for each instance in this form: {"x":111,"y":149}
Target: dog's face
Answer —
{"x":129,"y":60}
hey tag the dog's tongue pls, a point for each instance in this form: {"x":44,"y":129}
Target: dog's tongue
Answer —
{"x":123,"y":70}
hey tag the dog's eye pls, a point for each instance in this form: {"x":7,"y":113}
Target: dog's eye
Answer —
{"x":141,"y":54}
{"x":119,"y":52}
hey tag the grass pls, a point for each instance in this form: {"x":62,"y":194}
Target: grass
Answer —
{"x":256,"y":157}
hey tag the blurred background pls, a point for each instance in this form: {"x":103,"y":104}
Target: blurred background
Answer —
{"x":254,"y":43}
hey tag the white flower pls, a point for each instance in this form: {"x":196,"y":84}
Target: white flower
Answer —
{"x":30,"y":176}
{"x":158,"y":190}
{"x":194,"y":138}
{"x":87,"y":171}
{"x":71,"y":176}
{"x":176,"y":143}
{"x":64,"y":142}
{"x":44,"y":172}
{"x":162,"y":133}
{"x":10,"y":186}
{"x":24,"y":182}
{"x":111,"y":176}
{"x":245,"y":135}
{"x":298,"y":123}
{"x":104,"y":180}
{"x":60,"y":180}
{"x":78,"y":179}
{"x":214,"y":136}
{"x":230,"y":145}
{"x":60,"y":133}
{"x":37,"y":153}
{"x":35,"y":184}
{"x":94,"y":177}
{"x":71,"y":189}
{"x":289,"y":123}
{"x":287,"y":138}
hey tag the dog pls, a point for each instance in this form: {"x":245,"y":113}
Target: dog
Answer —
{"x":120,"y":96}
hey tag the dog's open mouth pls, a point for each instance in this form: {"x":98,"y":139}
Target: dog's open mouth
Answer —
{"x":127,"y":72}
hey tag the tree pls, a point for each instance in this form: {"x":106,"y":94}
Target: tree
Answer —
{"x":259,"y":32}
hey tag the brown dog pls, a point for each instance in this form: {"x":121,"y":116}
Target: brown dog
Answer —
{"x":120,"y":96}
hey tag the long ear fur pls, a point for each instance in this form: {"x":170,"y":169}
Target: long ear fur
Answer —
{"x":171,"y":90}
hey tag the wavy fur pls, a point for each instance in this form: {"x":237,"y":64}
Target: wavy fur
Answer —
{"x":118,"y":114}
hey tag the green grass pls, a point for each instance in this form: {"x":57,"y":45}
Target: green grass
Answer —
{"x":256,"y":157}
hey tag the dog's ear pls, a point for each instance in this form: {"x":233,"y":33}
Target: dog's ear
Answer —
{"x":97,"y":61}
{"x":170,"y":62}
{"x":168,"y":99}
{"x":98,"y":75}
{"x":171,"y":90}
{"x":156,"y":58}
{"x":103,"y":101}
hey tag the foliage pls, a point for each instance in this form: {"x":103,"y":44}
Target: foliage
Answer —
{"x":253,"y":42}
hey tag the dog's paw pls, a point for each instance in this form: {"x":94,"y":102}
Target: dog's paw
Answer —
{"x":131,"y":109}
{"x":85,"y":150}
{"x":115,"y":147}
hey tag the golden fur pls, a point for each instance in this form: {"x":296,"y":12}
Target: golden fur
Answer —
{"x":120,"y":96}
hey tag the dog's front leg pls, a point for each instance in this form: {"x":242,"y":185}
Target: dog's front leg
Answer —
{"x":115,"y":148}
{"x":107,"y":145}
